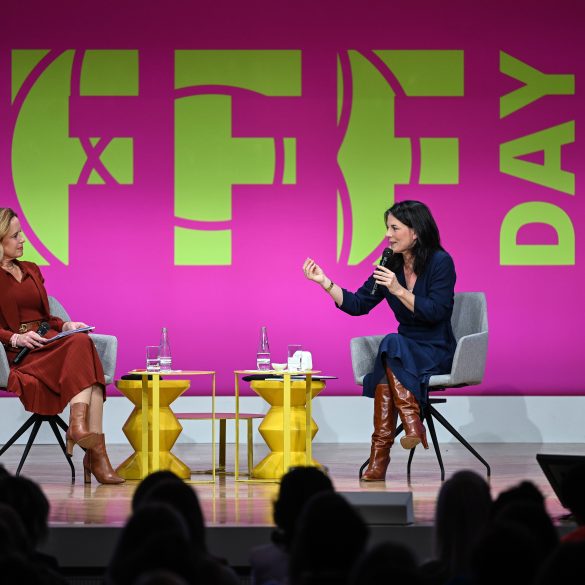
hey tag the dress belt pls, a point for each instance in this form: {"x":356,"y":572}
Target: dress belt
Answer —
{"x":29,"y":326}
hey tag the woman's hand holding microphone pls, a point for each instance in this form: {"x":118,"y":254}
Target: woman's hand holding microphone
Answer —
{"x":30,"y":339}
{"x":387,"y":278}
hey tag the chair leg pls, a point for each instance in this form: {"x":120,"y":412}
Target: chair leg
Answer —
{"x":364,"y":465}
{"x":53,"y":422}
{"x":429,"y":411}
{"x":29,"y":421}
{"x":37,"y":424}
{"x":435,"y":413}
{"x":36,"y":420}
{"x":61,"y":422}
{"x":427,"y":415}
{"x":410,"y":456}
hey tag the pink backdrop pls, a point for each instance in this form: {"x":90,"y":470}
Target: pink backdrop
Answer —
{"x":121,"y":276}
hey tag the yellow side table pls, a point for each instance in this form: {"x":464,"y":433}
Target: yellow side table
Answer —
{"x":282,"y":421}
{"x":272,"y":427}
{"x":150,"y":419}
{"x":169,"y":429}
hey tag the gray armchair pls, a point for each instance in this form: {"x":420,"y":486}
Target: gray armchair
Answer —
{"x":470,"y":327}
{"x":107,"y":348}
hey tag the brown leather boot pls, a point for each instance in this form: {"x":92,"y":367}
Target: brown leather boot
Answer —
{"x":383,"y":436}
{"x":78,"y":431}
{"x":96,"y":461}
{"x":409,"y":411}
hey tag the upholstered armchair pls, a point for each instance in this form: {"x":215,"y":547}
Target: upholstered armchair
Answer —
{"x":107,"y":348}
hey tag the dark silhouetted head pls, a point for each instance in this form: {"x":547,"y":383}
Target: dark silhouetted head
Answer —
{"x":30,"y":503}
{"x":384,"y":562}
{"x":462,"y":512}
{"x":183,"y":499}
{"x":296,"y":488}
{"x":330,"y":537}
{"x":149,"y":482}
{"x":154,"y":538}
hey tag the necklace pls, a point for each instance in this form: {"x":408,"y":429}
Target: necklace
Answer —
{"x":10,"y":267}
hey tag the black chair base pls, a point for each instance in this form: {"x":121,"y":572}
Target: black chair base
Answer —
{"x":35,"y":421}
{"x":429,"y":414}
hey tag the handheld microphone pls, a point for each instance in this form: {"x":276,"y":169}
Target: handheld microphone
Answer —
{"x":386,"y":255}
{"x":24,"y":351}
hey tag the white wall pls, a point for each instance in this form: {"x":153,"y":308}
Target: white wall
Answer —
{"x":480,"y":419}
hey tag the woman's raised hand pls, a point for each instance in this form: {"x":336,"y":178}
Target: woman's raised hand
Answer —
{"x":313,"y":271}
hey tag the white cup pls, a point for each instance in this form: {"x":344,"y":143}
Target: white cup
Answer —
{"x":295,"y":358}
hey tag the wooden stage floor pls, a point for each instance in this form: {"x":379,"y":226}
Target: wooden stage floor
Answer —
{"x":239,"y":515}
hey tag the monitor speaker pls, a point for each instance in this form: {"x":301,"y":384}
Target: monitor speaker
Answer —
{"x":382,"y":507}
{"x":555,"y":467}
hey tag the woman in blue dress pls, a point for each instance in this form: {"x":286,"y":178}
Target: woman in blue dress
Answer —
{"x":418,"y":284}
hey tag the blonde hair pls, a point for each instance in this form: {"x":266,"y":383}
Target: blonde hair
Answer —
{"x":6,"y":216}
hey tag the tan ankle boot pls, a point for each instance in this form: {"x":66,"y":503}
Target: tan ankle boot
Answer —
{"x":383,"y":435}
{"x":96,"y":462}
{"x":409,"y":412}
{"x":78,"y":431}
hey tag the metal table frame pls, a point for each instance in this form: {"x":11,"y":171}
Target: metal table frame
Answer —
{"x":286,"y":375}
{"x":156,"y":416}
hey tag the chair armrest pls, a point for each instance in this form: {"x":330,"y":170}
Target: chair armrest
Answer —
{"x":469,"y":360}
{"x":107,"y":348}
{"x":363,"y":355}
{"x":4,"y":368}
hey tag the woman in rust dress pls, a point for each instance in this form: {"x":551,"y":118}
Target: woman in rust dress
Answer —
{"x":51,"y":376}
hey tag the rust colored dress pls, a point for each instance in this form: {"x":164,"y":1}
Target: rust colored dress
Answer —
{"x":49,"y":376}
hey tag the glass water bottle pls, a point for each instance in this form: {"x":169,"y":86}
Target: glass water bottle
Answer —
{"x":165,"y":352}
{"x":263,"y":355}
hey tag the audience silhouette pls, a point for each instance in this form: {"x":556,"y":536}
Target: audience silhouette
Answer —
{"x":524,"y":505}
{"x":182,"y":498}
{"x":155,"y":538}
{"x":29,"y":502}
{"x":385,"y":561}
{"x":150,"y":481}
{"x":269,"y":562}
{"x":319,"y":538}
{"x":329,"y":538}
{"x":506,"y":554}
{"x":461,"y":514}
{"x":564,"y":565}
{"x":13,"y":533}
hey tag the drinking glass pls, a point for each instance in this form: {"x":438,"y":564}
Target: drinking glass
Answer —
{"x":152,"y":358}
{"x":295,"y":354}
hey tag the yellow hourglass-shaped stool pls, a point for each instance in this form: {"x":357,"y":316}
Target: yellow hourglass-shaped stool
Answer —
{"x":271,"y":428}
{"x":170,"y":428}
